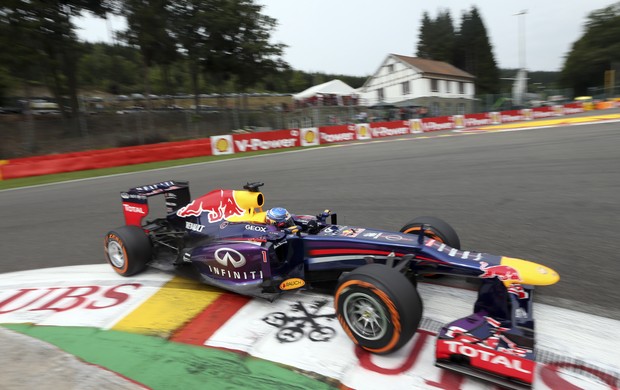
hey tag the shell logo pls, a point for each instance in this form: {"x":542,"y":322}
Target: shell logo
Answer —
{"x":221,"y":145}
{"x":416,"y":126}
{"x":459,"y":121}
{"x":291,"y":284}
{"x":309,"y":137}
{"x":363,"y":131}
{"x":496,"y":118}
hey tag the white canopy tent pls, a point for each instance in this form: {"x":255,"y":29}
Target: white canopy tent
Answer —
{"x":333,"y":87}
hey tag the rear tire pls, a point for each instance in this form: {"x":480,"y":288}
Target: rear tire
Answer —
{"x":437,"y":229}
{"x":128,"y":250}
{"x":378,"y":308}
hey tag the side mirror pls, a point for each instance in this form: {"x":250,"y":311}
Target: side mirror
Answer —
{"x":313,"y":227}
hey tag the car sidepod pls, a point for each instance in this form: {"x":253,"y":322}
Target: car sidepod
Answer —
{"x":255,"y":268}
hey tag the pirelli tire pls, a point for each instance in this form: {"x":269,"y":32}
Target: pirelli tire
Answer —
{"x":378,"y":308}
{"x":436,"y":228}
{"x":128,"y":249}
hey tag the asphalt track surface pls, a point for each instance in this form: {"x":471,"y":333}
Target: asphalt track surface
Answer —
{"x":551,"y":195}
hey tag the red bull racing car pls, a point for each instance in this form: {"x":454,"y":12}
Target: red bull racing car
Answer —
{"x":227,"y":238}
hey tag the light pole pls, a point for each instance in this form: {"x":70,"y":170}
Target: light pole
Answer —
{"x":519,"y":88}
{"x":522,"y":38}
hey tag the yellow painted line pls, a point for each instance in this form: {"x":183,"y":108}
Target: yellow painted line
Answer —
{"x":551,"y":122}
{"x":591,"y":118}
{"x":175,"y":304}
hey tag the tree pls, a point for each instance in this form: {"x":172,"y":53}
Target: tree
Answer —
{"x":227,"y":40}
{"x":19,"y":54}
{"x":425,"y":38}
{"x":239,"y":44}
{"x":595,"y":52}
{"x":113,"y":68}
{"x":467,"y":48}
{"x":43,"y":37}
{"x":190,"y":29}
{"x":148,"y":29}
{"x":436,"y":39}
{"x":474,"y":54}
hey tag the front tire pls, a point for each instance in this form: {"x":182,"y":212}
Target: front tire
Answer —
{"x":378,"y":307}
{"x":128,"y":250}
{"x":437,"y":229}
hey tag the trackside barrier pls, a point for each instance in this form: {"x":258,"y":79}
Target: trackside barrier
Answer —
{"x":253,"y":142}
{"x":106,"y":158}
{"x":268,"y":140}
{"x":2,"y":162}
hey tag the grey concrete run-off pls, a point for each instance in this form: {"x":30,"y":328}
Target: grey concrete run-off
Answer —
{"x":28,"y":363}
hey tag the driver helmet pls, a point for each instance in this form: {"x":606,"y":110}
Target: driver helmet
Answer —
{"x":279,"y":217}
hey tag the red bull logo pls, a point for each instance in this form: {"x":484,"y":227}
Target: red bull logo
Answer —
{"x":218,"y":204}
{"x":518,"y":290}
{"x":495,"y":341}
{"x":495,"y":323}
{"x":502,"y":272}
{"x":511,"y":347}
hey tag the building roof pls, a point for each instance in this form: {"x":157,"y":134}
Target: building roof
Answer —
{"x":434,"y":68}
{"x":333,"y":87}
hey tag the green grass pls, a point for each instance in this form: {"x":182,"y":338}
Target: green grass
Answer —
{"x":60,"y":177}
{"x":160,"y":364}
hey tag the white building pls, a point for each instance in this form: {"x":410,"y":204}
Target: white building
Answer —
{"x":410,"y":81}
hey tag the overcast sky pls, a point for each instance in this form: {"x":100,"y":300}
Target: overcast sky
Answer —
{"x":353,"y":37}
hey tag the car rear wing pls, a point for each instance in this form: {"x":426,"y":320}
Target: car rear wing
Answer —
{"x":135,"y":200}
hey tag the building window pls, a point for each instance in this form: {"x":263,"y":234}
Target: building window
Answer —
{"x":434,"y":85}
{"x":380,"y":94}
{"x":405,"y":86}
{"x":462,"y":88}
{"x":448,"y":82}
{"x":390,"y":68}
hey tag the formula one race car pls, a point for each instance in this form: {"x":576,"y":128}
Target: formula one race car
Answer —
{"x":233,"y":244}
